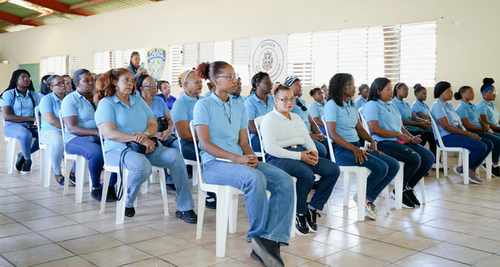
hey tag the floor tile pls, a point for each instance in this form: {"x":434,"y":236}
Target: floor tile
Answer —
{"x":88,"y":244}
{"x":67,"y":232}
{"x":37,"y":255}
{"x":48,"y":223}
{"x":382,"y":251}
{"x":115,"y":256}
{"x":12,"y":229}
{"x":195,"y":256}
{"x":457,"y":253}
{"x":20,"y":242}
{"x":348,"y":258}
{"x":68,"y":262}
{"x":136,"y":234}
{"x":421,"y":260}
{"x":162,"y":245}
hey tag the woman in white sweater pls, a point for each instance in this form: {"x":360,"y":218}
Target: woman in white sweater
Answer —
{"x":289,"y":147}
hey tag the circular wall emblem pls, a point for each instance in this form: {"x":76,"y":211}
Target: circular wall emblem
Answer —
{"x":269,"y":57}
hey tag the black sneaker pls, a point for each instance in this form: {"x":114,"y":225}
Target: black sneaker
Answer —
{"x":59,"y":179}
{"x":96,"y":194}
{"x":72,"y":179}
{"x":495,"y":171}
{"x":267,"y":251}
{"x":311,"y":219}
{"x":211,"y":201}
{"x":26,"y":166}
{"x":129,"y":212}
{"x":256,"y":257}
{"x":111,"y":196}
{"x":407,"y":201}
{"x":187,"y":216}
{"x":171,"y":187}
{"x":301,"y":224}
{"x":19,"y":162}
{"x":414,"y":199}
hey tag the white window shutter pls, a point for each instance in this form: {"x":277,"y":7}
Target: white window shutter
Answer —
{"x":300,"y":57}
{"x":353,"y":53}
{"x":241,"y":59}
{"x":54,"y":65}
{"x":174,"y":63}
{"x":190,"y":55}
{"x":418,"y":53}
{"x":325,"y":56}
{"x":392,"y":52}
{"x":206,"y":52}
{"x":223,"y":51}
{"x":375,"y":54}
{"x":102,"y":61}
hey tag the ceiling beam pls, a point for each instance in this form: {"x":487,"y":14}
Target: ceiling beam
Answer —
{"x":13,"y":19}
{"x":87,"y":4}
{"x":60,"y":7}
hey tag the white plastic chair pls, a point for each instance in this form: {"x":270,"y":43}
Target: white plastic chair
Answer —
{"x":81,"y":171}
{"x":188,"y":162}
{"x":120,"y":205}
{"x":258,"y":154}
{"x":348,"y":172}
{"x":399,"y":179}
{"x":45,"y":162}
{"x":10,"y":150}
{"x":463,"y":156}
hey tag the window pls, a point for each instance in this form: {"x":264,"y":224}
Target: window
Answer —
{"x":299,"y":55}
{"x":174,"y":63}
{"x":121,"y":58}
{"x":102,"y":61}
{"x":54,"y":65}
{"x":241,"y":59}
{"x":223,"y":51}
{"x":190,"y":55}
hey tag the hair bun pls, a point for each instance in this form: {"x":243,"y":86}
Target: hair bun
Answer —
{"x":488,"y":81}
{"x":203,"y":70}
{"x":457,"y":95}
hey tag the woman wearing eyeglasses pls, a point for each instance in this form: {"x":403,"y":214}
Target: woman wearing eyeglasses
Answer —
{"x":289,"y":147}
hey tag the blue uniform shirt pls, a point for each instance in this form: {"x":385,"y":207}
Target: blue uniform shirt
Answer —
{"x":316,"y":109}
{"x":360,"y":102}
{"x":167,"y":101}
{"x":50,"y":103}
{"x":158,"y":107}
{"x":21,"y":105}
{"x":183,"y":108}
{"x":420,"y":107}
{"x":469,"y":112}
{"x":77,"y":105}
{"x":405,"y":111}
{"x":488,"y":108}
{"x":132,"y":118}
{"x":345,"y":118}
{"x":387,"y":115}
{"x":224,"y":121}
{"x":304,"y":115}
{"x":440,"y":110}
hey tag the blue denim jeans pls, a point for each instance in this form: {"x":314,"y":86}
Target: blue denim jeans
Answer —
{"x":268,"y":218}
{"x":56,"y":148}
{"x":478,"y":150}
{"x":494,"y":140}
{"x":305,"y":175}
{"x":28,"y":137}
{"x":188,"y":149}
{"x":418,"y":160}
{"x":255,"y":143}
{"x":382,"y":168}
{"x":89,"y":147}
{"x":139,"y":168}
{"x":322,"y":148}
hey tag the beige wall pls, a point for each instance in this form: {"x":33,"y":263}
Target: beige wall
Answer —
{"x":467,"y":36}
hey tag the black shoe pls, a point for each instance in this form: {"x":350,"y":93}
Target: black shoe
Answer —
{"x":187,"y":216}
{"x":267,"y":251}
{"x":211,"y":202}
{"x":72,"y":179}
{"x":256,"y":257}
{"x":59,"y":179}
{"x":495,"y":171}
{"x":129,"y":212}
{"x":171,"y":187}
{"x":311,"y":219}
{"x":111,"y":196}
{"x":26,"y":166}
{"x":414,"y":199}
{"x":301,"y":224}
{"x":96,"y":194}
{"x":19,"y":162}
{"x":407,"y":201}
{"x":315,"y":185}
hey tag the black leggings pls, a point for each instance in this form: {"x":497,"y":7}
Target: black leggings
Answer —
{"x":427,"y":137}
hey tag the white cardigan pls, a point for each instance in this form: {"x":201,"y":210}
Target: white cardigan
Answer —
{"x":278,"y":132}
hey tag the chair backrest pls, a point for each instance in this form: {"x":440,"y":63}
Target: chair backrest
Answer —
{"x":101,"y":139}
{"x":63,"y":127}
{"x":37,"y":119}
{"x":258,"y":122}
{"x":365,"y":125}
{"x":330,"y":141}
{"x":435,"y":131}
{"x":196,"y":152}
{"x":179,"y":142}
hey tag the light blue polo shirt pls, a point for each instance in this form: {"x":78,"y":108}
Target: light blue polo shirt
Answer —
{"x":316,"y":109}
{"x":21,"y":105}
{"x":420,"y":107}
{"x":469,"y":112}
{"x":255,"y":107}
{"x":224,"y":121}
{"x":304,"y":115}
{"x":360,"y":102}
{"x":387,"y":115}
{"x":183,"y":108}
{"x":128,"y":119}
{"x":488,"y":108}
{"x":158,"y":107}
{"x":440,"y":110}
{"x":77,"y":105}
{"x":345,"y":118}
{"x":405,"y":112}
{"x":50,"y":103}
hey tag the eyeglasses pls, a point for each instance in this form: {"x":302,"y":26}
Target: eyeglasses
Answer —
{"x":149,"y":87}
{"x":232,"y":77}
{"x":286,"y":99}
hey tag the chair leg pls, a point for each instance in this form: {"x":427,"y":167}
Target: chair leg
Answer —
{"x":195,"y":175}
{"x":398,"y":186}
{"x":11,"y":155}
{"x":120,"y":205}
{"x":67,"y":171}
{"x":201,"y":212}
{"x":233,"y":214}
{"x":163,"y":189}
{"x":422,"y":191}
{"x":489,"y":166}
{"x":438,"y":154}
{"x":465,"y":164}
{"x":361,"y":187}
{"x":222,"y":221}
{"x":80,"y":179}
{"x":445,"y":163}
{"x":107,"y":177}
{"x":43,"y":168}
{"x":292,"y":228}
{"x":347,"y":188}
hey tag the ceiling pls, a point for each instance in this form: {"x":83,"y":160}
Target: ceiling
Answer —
{"x":16,"y":15}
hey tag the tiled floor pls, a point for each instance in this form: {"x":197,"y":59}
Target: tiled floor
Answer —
{"x":459,"y":226}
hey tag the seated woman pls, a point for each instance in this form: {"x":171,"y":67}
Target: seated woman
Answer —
{"x":289,"y":147}
{"x":18,"y":107}
{"x":50,"y":126}
{"x":363,"y":91}
{"x":453,"y":133}
{"x":415,"y":125}
{"x":346,"y":130}
{"x":394,"y":140}
{"x":419,"y":108}
{"x":123,"y":117}
{"x":487,"y":108}
{"x":221,"y":125}
{"x":81,"y":136}
{"x":316,"y":108}
{"x":471,"y":121}
{"x":258,"y":103}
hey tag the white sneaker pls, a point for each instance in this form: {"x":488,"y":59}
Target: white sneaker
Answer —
{"x":475,"y":180}
{"x":371,"y":211}
{"x":458,"y":170}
